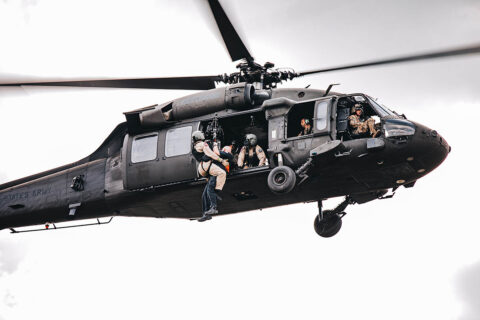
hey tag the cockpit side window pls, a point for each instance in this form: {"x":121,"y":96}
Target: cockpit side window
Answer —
{"x":381,"y":111}
{"x":354,"y":125}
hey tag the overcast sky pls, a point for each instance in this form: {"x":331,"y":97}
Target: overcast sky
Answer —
{"x":414,"y":256}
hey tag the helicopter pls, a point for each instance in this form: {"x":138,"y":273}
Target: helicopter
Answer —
{"x":119,"y":178}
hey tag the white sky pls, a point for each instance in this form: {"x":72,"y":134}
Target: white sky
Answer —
{"x":414,"y":256}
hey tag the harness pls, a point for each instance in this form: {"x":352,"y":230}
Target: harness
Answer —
{"x":251,"y":161}
{"x":202,"y":158}
{"x":208,"y":169}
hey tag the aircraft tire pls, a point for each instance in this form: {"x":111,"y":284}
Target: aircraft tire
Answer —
{"x":281,"y":180}
{"x":329,"y":226}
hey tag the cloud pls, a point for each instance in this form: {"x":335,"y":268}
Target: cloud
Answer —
{"x":468,"y":290}
{"x":9,"y":300}
{"x":3,"y":177}
{"x":11,"y":254}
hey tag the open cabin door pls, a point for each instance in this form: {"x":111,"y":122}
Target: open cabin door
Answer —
{"x":295,"y":145}
{"x":159,"y":158}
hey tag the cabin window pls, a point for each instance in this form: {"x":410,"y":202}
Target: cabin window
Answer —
{"x":295,"y":115}
{"x":178,"y":141}
{"x":321,"y":122}
{"x":144,"y":148}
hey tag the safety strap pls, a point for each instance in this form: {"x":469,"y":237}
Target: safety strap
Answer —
{"x":208,"y":169}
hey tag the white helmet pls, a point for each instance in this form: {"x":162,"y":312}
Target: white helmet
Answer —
{"x":252,"y":139}
{"x":198,"y":136}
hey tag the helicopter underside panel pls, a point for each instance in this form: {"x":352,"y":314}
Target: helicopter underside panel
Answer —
{"x":245,"y":193}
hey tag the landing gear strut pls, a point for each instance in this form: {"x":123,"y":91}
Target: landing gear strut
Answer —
{"x":328,"y":222}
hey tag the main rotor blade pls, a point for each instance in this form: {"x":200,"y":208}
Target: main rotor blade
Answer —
{"x":235,"y":46}
{"x":185,"y":83}
{"x":426,"y":56}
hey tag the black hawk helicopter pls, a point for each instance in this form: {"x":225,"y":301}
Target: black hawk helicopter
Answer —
{"x":145,"y":167}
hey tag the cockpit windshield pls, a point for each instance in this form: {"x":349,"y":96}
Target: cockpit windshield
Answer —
{"x":381,"y":110}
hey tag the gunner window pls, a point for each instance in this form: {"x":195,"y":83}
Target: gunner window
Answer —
{"x":296,"y":116}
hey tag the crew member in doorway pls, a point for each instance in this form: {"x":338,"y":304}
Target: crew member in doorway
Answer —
{"x":306,"y":127}
{"x":360,"y":125}
{"x":211,"y":165}
{"x":251,"y":155}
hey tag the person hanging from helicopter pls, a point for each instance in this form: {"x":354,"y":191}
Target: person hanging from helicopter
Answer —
{"x":210,"y":195}
{"x":211,"y":166}
{"x":361,"y":125}
{"x":306,"y":127}
{"x":251,"y":155}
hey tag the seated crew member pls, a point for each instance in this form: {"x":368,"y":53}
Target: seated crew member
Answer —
{"x":360,"y":125}
{"x":251,"y":155}
{"x":210,"y":165}
{"x":307,"y":127}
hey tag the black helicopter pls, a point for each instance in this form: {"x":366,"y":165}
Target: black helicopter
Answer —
{"x":145,"y":166}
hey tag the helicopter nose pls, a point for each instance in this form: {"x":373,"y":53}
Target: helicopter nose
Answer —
{"x":431,"y":149}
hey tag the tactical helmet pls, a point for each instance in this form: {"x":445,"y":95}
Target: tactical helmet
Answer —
{"x":198,"y":136}
{"x":252,"y":139}
{"x":356,"y":107}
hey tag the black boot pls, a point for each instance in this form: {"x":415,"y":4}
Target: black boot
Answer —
{"x":218,"y":193}
{"x":205,"y":217}
{"x":211,"y":211}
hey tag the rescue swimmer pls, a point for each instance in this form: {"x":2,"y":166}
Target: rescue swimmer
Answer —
{"x":211,"y":166}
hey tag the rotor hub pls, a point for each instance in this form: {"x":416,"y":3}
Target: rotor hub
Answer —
{"x":252,"y":72}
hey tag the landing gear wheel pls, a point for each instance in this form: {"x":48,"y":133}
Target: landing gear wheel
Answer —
{"x":281,"y":180}
{"x":329,"y":225}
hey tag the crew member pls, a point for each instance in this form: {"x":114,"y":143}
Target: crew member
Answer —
{"x":232,"y":151}
{"x":210,"y":195}
{"x":210,"y":165}
{"x":360,"y":125}
{"x":306,"y":127}
{"x":251,"y":155}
